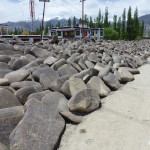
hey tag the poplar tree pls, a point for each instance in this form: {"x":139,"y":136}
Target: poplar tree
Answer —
{"x":80,"y":21}
{"x":98,"y":19}
{"x":86,"y":20}
{"x":69,"y":22}
{"x":135,"y":24}
{"x":123,"y":29}
{"x":115,"y":22}
{"x":106,"y":23}
{"x":74,"y":21}
{"x":91,"y":22}
{"x":119,"y":28}
{"x":129,"y":25}
{"x":142,"y":29}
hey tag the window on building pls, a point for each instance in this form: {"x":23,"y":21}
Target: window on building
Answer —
{"x":59,"y":33}
{"x":77,"y":33}
{"x":52,"y":33}
{"x":101,"y":32}
{"x":65,"y":33}
{"x":72,"y":33}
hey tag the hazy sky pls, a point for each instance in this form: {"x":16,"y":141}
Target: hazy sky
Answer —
{"x":18,"y":10}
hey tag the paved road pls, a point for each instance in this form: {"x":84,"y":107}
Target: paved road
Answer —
{"x":123,"y":123}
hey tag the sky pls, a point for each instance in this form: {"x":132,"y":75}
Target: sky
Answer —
{"x":18,"y":10}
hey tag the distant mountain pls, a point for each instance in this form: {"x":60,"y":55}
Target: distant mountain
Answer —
{"x":27,"y":24}
{"x":146,"y":19}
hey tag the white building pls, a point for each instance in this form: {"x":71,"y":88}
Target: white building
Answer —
{"x":76,"y":32}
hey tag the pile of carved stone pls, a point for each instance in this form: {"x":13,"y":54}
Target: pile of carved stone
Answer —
{"x":43,"y":85}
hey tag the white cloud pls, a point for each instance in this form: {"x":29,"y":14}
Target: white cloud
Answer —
{"x":19,"y":11}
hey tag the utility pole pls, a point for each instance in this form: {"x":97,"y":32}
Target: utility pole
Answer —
{"x":32,"y":14}
{"x":43,"y":17}
{"x":82,"y":17}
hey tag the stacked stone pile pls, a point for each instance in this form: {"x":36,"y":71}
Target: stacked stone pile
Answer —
{"x":43,"y":85}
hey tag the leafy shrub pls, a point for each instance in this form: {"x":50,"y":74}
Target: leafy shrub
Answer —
{"x":110,"y":34}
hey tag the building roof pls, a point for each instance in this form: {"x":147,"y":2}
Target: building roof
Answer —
{"x":69,"y":28}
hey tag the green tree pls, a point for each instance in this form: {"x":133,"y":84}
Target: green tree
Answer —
{"x":74,"y":21}
{"x":106,"y":22}
{"x":119,"y":28}
{"x":129,"y":25}
{"x":123,"y":29}
{"x":15,"y":32}
{"x":110,"y":34}
{"x":115,"y":22}
{"x":98,"y":20}
{"x":69,"y":22}
{"x":58,"y":24}
{"x":102,"y":22}
{"x":91,"y":22}
{"x":80,"y":21}
{"x":142,"y":29}
{"x":135,"y":25}
{"x":38,"y":30}
{"x":46,"y":28}
{"x":86,"y":20}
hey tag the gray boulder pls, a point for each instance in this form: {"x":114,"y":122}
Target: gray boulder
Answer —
{"x":30,"y":65}
{"x":39,"y":52}
{"x":59,"y":63}
{"x":40,"y":129}
{"x":89,"y":64}
{"x":103,"y":72}
{"x":125,"y":75}
{"x":65,"y":112}
{"x":98,"y":84}
{"x":4,"y":47}
{"x":58,"y":83}
{"x":65,"y":89}
{"x":131,"y":70}
{"x":112,"y":81}
{"x":19,"y":63}
{"x":23,"y":93}
{"x":3,"y":72}
{"x":47,"y":78}
{"x":3,"y":147}
{"x":4,"y":82}
{"x":4,"y":65}
{"x":85,"y":101}
{"x":116,"y":59}
{"x":76,"y":85}
{"x":50,"y":60}
{"x":38,"y":95}
{"x":9,"y":118}
{"x":22,"y":84}
{"x":67,"y":70}
{"x":99,"y":66}
{"x":7,"y":99}
{"x":5,"y":58}
{"x":49,"y":72}
{"x":17,"y":76}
